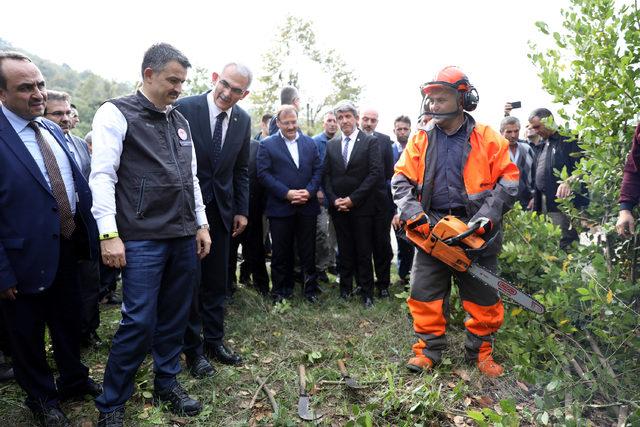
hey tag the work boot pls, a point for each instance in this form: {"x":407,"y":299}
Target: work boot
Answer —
{"x":485,"y":362}
{"x":419,"y":364}
{"x":490,"y":368}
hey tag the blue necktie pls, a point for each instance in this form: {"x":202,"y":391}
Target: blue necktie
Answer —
{"x":217,"y":136}
{"x":345,"y":151}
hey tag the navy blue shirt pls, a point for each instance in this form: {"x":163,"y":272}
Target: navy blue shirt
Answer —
{"x":321,"y":140}
{"x":448,"y":185}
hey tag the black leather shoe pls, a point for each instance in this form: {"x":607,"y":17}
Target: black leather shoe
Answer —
{"x":6,"y":372}
{"x":179,"y":401}
{"x":92,"y":340}
{"x":112,"y":299}
{"x":313,"y":299}
{"x":111,"y":419}
{"x":200,"y":367}
{"x":277,"y":299}
{"x":223,"y":354}
{"x":384,"y":293}
{"x":368,"y":302}
{"x":91,"y":388}
{"x":345,"y":295}
{"x":51,"y":416}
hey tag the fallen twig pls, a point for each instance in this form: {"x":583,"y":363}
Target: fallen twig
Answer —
{"x":601,"y":358}
{"x":579,"y":370}
{"x":255,"y":395}
{"x":328,"y":382}
{"x":568,"y":397}
{"x":272,"y":399}
{"x":622,"y":415}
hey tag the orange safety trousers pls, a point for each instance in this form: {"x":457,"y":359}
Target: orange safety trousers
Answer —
{"x":429,"y":306}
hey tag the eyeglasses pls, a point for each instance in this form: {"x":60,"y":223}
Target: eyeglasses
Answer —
{"x":234,"y":90}
{"x":60,"y":113}
{"x":288,"y":123}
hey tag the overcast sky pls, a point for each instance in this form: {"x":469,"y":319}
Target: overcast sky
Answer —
{"x":393,"y":47}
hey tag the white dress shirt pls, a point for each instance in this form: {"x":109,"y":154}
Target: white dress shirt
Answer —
{"x":352,"y":141}
{"x":28,"y":137}
{"x":292,"y":146}
{"x":213,"y":117}
{"x":109,"y":130}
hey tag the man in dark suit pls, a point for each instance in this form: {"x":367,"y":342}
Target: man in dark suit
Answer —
{"x":382,"y":251}
{"x":58,"y":110}
{"x":289,"y":168}
{"x":45,"y":226}
{"x":352,"y":177}
{"x":221,"y":134}
{"x":253,"y":250}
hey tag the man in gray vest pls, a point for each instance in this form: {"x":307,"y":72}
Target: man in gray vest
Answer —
{"x":152,"y":224}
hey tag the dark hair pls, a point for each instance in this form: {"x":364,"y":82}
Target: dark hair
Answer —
{"x":10,"y":55}
{"x":159,"y":55}
{"x":403,"y":119}
{"x":266,"y":117}
{"x":288,"y":95}
{"x":540,"y":113}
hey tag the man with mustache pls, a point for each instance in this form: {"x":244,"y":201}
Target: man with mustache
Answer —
{"x":152,"y":224}
{"x":45,"y":226}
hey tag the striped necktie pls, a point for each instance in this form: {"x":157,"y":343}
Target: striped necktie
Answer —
{"x":345,"y":151}
{"x":67,"y":224}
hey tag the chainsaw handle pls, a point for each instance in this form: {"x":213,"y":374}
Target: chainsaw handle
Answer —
{"x":303,"y":382}
{"x":454,"y":240}
{"x":343,"y":369}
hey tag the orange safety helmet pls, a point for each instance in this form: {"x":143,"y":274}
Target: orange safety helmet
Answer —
{"x":454,"y":78}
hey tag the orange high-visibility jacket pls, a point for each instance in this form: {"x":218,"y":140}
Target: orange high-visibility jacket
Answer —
{"x":490,"y":177}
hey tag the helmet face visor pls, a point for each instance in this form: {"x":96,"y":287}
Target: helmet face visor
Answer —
{"x":440,"y":100}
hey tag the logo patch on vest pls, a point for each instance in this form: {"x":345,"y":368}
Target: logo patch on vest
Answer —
{"x":182,"y":134}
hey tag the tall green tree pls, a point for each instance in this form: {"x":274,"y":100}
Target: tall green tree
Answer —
{"x":593,"y":68}
{"x":282,"y":65}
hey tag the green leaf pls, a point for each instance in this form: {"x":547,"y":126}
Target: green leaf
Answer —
{"x":476,"y":415}
{"x":542,"y":26}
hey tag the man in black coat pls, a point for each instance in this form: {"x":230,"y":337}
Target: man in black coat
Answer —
{"x":557,"y":152}
{"x":352,"y":178}
{"x":382,"y":251}
{"x":221,"y":134}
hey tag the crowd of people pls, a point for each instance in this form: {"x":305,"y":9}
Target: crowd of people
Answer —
{"x":164,"y":190}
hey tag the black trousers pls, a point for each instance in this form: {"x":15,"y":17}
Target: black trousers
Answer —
{"x":89,"y":274}
{"x":253,"y":250}
{"x":406,"y":252}
{"x":207,"y":306}
{"x":26,"y":318}
{"x":108,"y":279}
{"x":286,"y":232}
{"x":355,"y":247}
{"x":382,"y":251}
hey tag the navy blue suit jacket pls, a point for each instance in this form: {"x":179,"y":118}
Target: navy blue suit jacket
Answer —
{"x":278,"y":174}
{"x":29,"y":221}
{"x":225,"y":186}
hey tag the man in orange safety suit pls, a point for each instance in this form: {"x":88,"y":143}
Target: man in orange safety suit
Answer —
{"x":454,"y":166}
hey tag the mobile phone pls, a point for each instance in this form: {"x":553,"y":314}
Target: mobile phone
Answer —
{"x":516,"y":104}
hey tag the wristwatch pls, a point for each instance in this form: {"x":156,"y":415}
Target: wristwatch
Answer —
{"x":201,"y":226}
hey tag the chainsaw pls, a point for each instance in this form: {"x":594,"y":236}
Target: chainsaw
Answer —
{"x":445,"y":242}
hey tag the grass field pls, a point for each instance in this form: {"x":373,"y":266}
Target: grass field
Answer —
{"x":274,"y":340}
